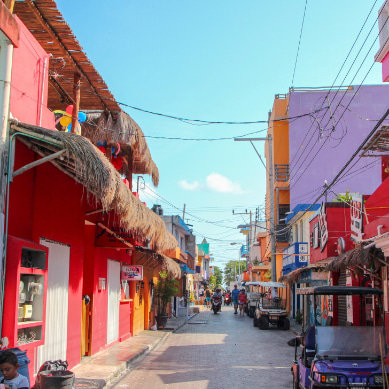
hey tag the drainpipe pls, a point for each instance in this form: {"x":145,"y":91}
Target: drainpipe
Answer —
{"x":6,"y":52}
{"x":45,"y":58}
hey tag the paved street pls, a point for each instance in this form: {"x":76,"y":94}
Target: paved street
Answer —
{"x":216,"y":351}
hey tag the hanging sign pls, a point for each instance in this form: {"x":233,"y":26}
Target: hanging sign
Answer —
{"x":323,"y":226}
{"x":356,"y":212}
{"x":131,"y":273}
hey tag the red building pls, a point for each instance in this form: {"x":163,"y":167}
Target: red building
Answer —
{"x":72,"y":225}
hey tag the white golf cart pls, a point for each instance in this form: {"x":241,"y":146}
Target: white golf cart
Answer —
{"x":253,"y":298}
{"x":271,"y":307}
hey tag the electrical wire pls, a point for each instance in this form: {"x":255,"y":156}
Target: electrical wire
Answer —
{"x":340,"y":70}
{"x":298,"y":46}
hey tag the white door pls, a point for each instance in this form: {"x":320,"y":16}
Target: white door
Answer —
{"x":113,"y":301}
{"x":56,"y":303}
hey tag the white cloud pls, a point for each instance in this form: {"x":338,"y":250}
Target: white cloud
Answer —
{"x":218,"y":183}
{"x":215,"y":182}
{"x":195,"y":185}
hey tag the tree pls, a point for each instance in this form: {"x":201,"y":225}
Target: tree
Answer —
{"x":232,"y":268}
{"x":218,"y":273}
{"x":212,"y":283}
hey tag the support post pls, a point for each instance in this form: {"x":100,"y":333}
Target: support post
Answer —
{"x":76,"y":99}
{"x":272,"y":210}
{"x":6,"y":54}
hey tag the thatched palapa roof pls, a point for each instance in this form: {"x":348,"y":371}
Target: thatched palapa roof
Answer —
{"x":86,"y":164}
{"x":294,"y":276}
{"x":100,"y":126}
{"x":109,"y":123}
{"x":357,"y":258}
{"x":146,"y":257}
{"x":50,"y":29}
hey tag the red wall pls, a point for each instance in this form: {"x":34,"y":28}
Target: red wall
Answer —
{"x":52,"y":206}
{"x":96,"y":267}
{"x":26,"y":88}
{"x":338,"y":226}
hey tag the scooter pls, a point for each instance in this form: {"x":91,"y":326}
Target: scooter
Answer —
{"x":227,"y":299}
{"x":216,"y":304}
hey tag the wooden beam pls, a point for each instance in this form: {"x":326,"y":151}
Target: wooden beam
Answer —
{"x":55,"y":37}
{"x":130,"y":161}
{"x":76,"y":99}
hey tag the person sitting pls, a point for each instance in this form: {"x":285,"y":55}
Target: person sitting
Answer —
{"x":9,"y":366}
{"x":218,"y":295}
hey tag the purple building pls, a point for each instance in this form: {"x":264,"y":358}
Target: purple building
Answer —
{"x":325,"y":129}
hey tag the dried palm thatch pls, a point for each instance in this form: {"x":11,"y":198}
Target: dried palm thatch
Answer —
{"x":294,"y":276}
{"x":146,"y":257}
{"x":86,"y":164}
{"x":358,"y":257}
{"x":102,"y":126}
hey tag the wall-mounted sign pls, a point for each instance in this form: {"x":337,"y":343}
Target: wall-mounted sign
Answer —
{"x":131,"y":273}
{"x":323,"y":226}
{"x":341,"y":246}
{"x":356,"y":212}
{"x":104,"y":238}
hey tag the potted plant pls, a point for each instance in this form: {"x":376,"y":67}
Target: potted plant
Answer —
{"x":166,"y":288}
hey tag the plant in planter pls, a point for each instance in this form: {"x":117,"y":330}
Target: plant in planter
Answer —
{"x":299,"y":317}
{"x":165,"y":289}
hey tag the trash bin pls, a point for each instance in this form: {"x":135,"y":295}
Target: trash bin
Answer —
{"x":56,"y":379}
{"x":22,"y":360}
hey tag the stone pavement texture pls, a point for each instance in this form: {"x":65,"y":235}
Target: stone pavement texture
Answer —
{"x":216,"y":351}
{"x":102,"y":368}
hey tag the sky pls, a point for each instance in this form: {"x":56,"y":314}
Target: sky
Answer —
{"x":218,"y":61}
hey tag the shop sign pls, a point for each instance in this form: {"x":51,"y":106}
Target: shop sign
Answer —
{"x":303,"y":249}
{"x":323,"y":226}
{"x":356,"y":212}
{"x":131,"y":273}
{"x":107,"y":239}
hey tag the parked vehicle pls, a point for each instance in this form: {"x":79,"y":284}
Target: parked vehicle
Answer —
{"x":271,"y":310}
{"x":340,"y":357}
{"x":252,"y":298}
{"x":216,"y":304}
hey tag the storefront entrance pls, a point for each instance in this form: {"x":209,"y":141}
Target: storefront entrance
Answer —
{"x":57,"y":303}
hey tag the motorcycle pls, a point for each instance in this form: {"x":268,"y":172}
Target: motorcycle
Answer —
{"x":227,"y":299}
{"x":216,"y":304}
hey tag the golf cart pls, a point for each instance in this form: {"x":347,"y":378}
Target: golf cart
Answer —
{"x":271,"y":310}
{"x":253,"y":298}
{"x":339,"y":356}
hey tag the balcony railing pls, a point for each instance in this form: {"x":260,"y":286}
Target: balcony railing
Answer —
{"x":244,"y":250}
{"x":282,"y":172}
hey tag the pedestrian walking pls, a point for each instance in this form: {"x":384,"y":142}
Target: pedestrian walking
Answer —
{"x":208,"y":297}
{"x":242,"y":300}
{"x":235,"y":293}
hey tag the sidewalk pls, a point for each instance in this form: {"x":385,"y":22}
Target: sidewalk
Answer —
{"x":102,"y":368}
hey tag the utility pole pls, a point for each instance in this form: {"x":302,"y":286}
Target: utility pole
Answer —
{"x":270,"y":171}
{"x":183,"y":213}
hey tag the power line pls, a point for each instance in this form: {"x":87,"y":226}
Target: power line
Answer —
{"x":341,"y":68}
{"x":298,"y":46}
{"x":338,"y":176}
